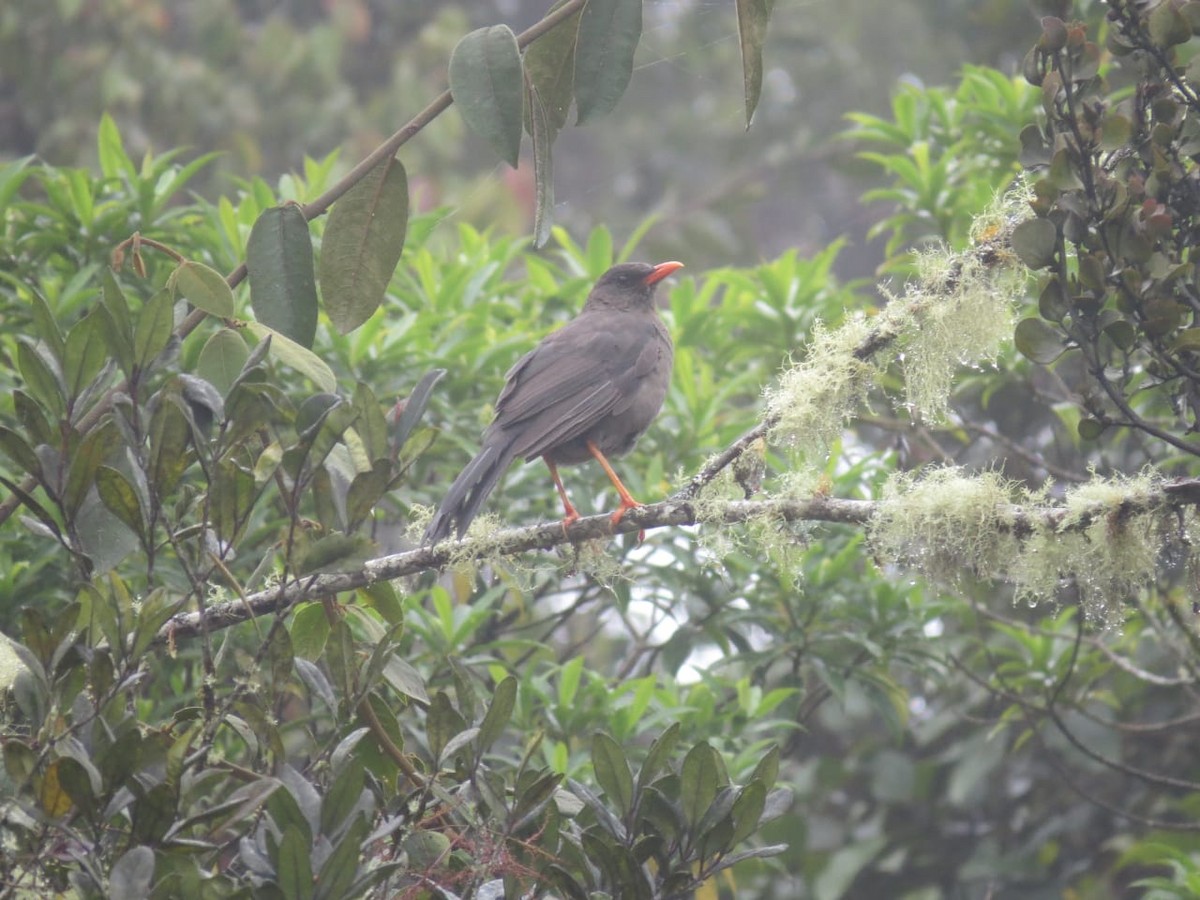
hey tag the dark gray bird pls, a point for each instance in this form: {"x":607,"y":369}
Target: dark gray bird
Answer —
{"x":587,"y":391}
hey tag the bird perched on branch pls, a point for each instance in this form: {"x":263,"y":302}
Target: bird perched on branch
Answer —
{"x":587,"y":391}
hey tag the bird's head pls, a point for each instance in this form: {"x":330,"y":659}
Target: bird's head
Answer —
{"x":630,"y":285}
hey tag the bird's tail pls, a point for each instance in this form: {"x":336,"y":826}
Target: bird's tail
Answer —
{"x":466,"y":495}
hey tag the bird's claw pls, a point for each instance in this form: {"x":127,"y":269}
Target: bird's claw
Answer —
{"x":617,"y":516}
{"x":568,"y":520}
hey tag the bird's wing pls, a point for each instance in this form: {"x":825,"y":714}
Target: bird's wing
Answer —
{"x":571,"y":381}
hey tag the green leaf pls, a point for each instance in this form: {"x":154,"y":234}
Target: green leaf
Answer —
{"x":118,"y":324}
{"x":202,"y":287}
{"x":362,"y":244}
{"x":383,"y":598}
{"x":612,"y":771}
{"x":41,"y":379}
{"x":335,"y":553}
{"x":95,"y":448}
{"x":76,"y":781}
{"x":414,"y":407}
{"x":12,"y":176}
{"x":337,"y":874}
{"x":747,"y":811}
{"x":16,"y":448}
{"x":498,"y":715}
{"x":153,"y":613}
{"x":342,"y":796}
{"x":299,"y":358}
{"x":152,"y":333}
{"x":752,"y":16}
{"x":222,"y":358}
{"x":405,"y":679}
{"x":486,"y":82}
{"x":32,"y":419}
{"x":294,"y":867}
{"x":85,"y":354}
{"x":153,"y":814}
{"x":1035,"y":241}
{"x":1038,"y":341}
{"x":699,"y":780}
{"x":169,"y":435}
{"x":283,"y":288}
{"x":609,"y":31}
{"x":45,"y":326}
{"x":365,"y":491}
{"x":542,"y":134}
{"x":371,"y":425}
{"x":658,"y":755}
{"x":119,"y":496}
{"x":1168,"y":26}
{"x":279,"y":656}
{"x":310,"y":631}
{"x":767,"y":770}
{"x":426,"y":849}
{"x":550,"y":69}
{"x":132,"y":874}
{"x":231,"y":497}
{"x":114,"y":161}
{"x":442,"y":722}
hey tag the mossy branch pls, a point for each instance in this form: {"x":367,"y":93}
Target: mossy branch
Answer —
{"x":1018,"y":521}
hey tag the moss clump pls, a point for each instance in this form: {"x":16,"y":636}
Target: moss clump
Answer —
{"x":946,"y":523}
{"x":814,"y":398}
{"x":1103,"y":541}
{"x":1106,"y":545}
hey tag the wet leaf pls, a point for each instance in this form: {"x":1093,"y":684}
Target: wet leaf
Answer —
{"x":155,"y":324}
{"x":542,"y":134}
{"x":486,"y":82}
{"x":222,"y":358}
{"x":550,"y":68}
{"x":499,"y":713}
{"x":362,"y":244}
{"x":203,"y":287}
{"x":85,"y":353}
{"x":609,"y":31}
{"x":283,"y":287}
{"x":1038,"y":341}
{"x":1035,"y":241}
{"x":297,"y":356}
{"x":752,"y":16}
{"x":612,"y":771}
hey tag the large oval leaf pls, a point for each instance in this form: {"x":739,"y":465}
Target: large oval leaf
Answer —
{"x":299,"y":358}
{"x":222,"y":358}
{"x":486,"y":82}
{"x":550,"y":68}
{"x":203,"y":287}
{"x":362,"y":245}
{"x":543,"y":170}
{"x":283,"y":286}
{"x":1038,"y":341}
{"x":752,"y":18}
{"x":609,"y":31}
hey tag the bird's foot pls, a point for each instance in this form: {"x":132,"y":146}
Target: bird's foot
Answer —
{"x":626,"y":505}
{"x":569,"y":519}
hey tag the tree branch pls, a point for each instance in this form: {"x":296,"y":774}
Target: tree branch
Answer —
{"x":674,"y":511}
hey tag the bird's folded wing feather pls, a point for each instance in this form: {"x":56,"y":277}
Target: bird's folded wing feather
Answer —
{"x":568,"y":384}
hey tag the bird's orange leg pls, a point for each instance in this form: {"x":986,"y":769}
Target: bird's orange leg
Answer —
{"x":627,"y":500}
{"x":570,"y":513}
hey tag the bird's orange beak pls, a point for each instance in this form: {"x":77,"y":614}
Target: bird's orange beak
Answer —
{"x":661,"y":271}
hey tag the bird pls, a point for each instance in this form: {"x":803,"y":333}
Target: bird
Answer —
{"x":587,"y":391}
